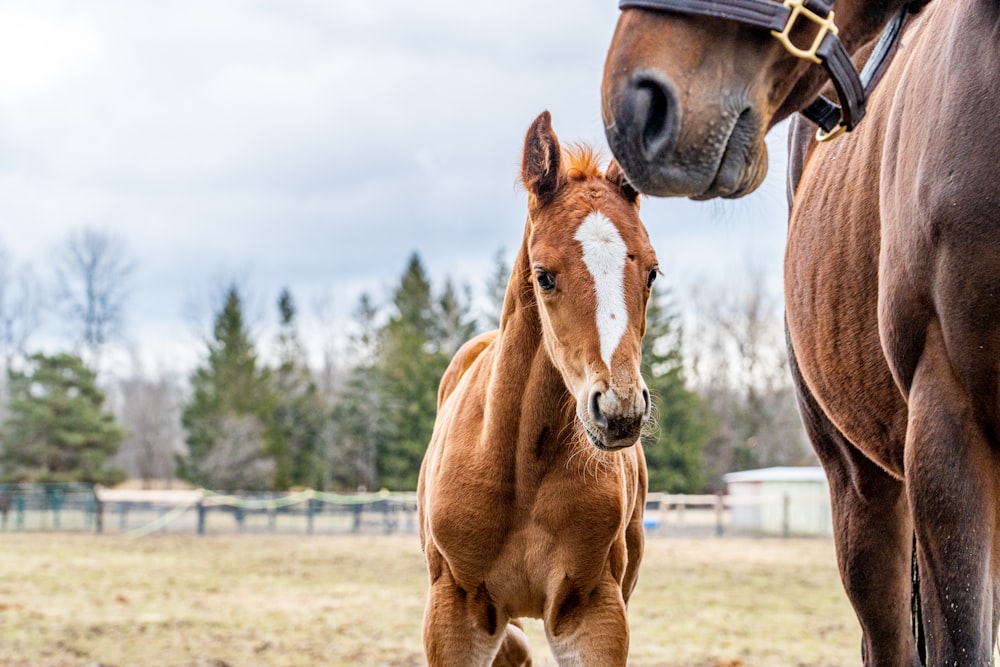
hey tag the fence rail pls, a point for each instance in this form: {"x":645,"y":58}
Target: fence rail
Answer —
{"x":781,"y":514}
{"x":82,"y":507}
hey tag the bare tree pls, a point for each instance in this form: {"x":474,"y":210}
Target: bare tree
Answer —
{"x":237,"y":461}
{"x":151,"y":416}
{"x":20,"y":317}
{"x":496,"y":289}
{"x":20,"y":307}
{"x":323,"y":314}
{"x":92,"y":271}
{"x":741,"y":369}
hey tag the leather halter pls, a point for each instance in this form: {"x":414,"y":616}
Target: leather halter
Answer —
{"x":826,"y":49}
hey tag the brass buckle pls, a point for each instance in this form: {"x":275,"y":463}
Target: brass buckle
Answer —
{"x":825,"y":24}
{"x":832,"y":134}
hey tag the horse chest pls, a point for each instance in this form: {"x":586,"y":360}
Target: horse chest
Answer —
{"x":518,"y":539}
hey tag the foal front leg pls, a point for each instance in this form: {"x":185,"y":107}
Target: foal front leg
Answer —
{"x":588,"y":629}
{"x":462,"y":628}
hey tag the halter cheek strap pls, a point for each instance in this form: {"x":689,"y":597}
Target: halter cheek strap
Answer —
{"x":826,"y":48}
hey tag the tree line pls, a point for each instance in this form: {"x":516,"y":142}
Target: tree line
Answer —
{"x":255,"y":415}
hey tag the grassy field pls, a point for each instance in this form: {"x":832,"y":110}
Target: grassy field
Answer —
{"x":250,"y":600}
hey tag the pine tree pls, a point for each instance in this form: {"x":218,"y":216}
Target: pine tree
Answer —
{"x":359,"y":420}
{"x":300,"y":422}
{"x":384,"y":413}
{"x":56,"y":430}
{"x":410,"y":367}
{"x":229,"y":412}
{"x":454,"y":326}
{"x":682,"y":426}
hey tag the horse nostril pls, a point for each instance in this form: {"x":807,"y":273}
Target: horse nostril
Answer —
{"x":648,"y":402}
{"x":595,"y":410}
{"x":655,"y":111}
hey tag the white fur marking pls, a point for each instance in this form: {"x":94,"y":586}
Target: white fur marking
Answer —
{"x":604,"y":253}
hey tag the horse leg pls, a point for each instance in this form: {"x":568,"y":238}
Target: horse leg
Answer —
{"x":462,"y":628}
{"x":588,"y":628}
{"x":951,"y":476}
{"x":872,"y":533}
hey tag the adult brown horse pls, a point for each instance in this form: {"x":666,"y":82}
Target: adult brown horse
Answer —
{"x":532,"y":490}
{"x":892,"y":271}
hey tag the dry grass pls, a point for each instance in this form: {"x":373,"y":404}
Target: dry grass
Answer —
{"x":83,"y":600}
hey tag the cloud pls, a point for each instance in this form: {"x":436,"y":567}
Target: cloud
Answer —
{"x":306,"y":144}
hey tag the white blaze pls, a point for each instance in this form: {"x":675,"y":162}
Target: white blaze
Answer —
{"x":604,"y":253}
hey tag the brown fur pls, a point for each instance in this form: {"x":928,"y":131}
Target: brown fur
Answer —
{"x":892,"y":282}
{"x":520,"y":515}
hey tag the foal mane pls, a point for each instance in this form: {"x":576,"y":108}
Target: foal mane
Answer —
{"x":583,"y":161}
{"x":580,"y":162}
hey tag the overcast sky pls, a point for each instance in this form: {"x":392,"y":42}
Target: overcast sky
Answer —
{"x":313,"y":145}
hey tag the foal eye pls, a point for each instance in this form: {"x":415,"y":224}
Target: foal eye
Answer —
{"x":652,"y":276}
{"x":545,"y":279}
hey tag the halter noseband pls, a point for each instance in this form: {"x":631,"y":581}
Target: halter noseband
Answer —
{"x":826,"y":49}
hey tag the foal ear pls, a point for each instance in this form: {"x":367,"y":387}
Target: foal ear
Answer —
{"x":617,"y":178}
{"x":540,"y":163}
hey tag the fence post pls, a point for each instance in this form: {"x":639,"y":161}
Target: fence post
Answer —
{"x":98,"y":515}
{"x":57,"y":500}
{"x":719,"y":510}
{"x":786,"y":527}
{"x":19,"y":503}
{"x":357,"y":518}
{"x":310,"y":514}
{"x":201,"y":517}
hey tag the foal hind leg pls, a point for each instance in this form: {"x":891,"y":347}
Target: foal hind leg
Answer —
{"x":952,"y":478}
{"x":872,"y":534}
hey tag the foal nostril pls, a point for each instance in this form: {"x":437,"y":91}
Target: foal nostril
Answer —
{"x":648,"y":404}
{"x":655,"y":111}
{"x":595,"y":411}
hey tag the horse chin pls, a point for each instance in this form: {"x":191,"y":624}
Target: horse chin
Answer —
{"x":730,"y":168}
{"x":743,"y":164}
{"x":599,"y":442}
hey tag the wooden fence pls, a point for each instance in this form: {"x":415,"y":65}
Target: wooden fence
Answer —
{"x":78,"y":507}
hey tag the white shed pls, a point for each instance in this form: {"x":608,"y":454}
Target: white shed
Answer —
{"x":779,"y":501}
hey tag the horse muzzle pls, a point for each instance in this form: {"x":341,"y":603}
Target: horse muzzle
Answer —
{"x":612,"y":423}
{"x":720,"y":153}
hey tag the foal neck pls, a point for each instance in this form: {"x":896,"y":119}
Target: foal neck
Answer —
{"x":527,"y":394}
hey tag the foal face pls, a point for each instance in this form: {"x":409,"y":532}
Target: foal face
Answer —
{"x":592,"y":268}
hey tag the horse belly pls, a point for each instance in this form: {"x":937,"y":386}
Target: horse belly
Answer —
{"x":831,"y":302}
